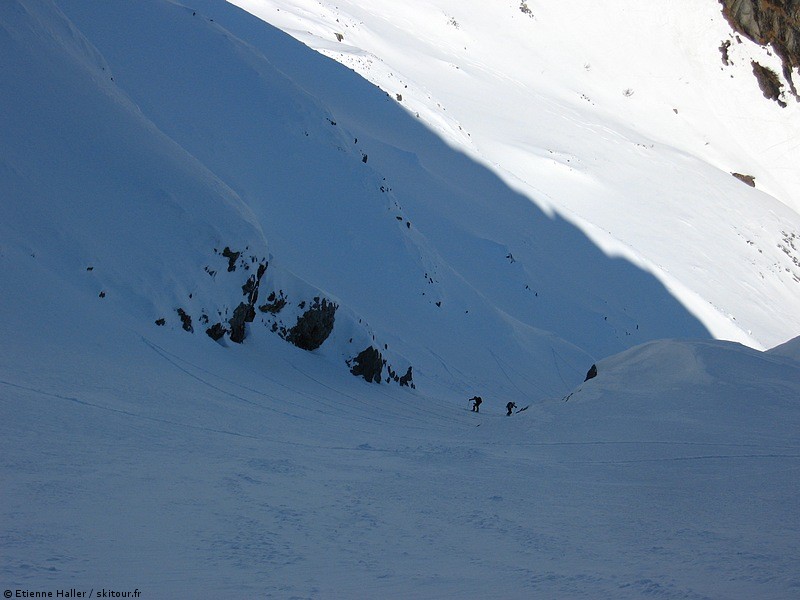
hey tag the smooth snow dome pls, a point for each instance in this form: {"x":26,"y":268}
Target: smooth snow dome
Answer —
{"x":172,"y":173}
{"x":790,"y":349}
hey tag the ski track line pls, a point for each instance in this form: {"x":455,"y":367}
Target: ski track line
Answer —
{"x":317,"y":398}
{"x":163,"y":352}
{"x":503,"y":371}
{"x":366,"y":405}
{"x":361,"y":408}
{"x":442,"y":416}
{"x":275,"y":441}
{"x":418,"y":451}
{"x":556,"y":356}
{"x":461,"y":376}
{"x":335,"y":409}
{"x":172,"y":359}
{"x":124,"y":412}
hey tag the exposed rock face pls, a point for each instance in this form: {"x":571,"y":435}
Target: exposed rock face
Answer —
{"x":275,"y":303}
{"x":232,"y":258}
{"x":314,"y":323}
{"x":315,"y":318}
{"x":313,"y":326}
{"x":250,"y":287}
{"x":592,"y":373}
{"x":368,"y":364}
{"x":724,"y":50}
{"x":243,"y":266}
{"x":748,"y":179}
{"x":186,"y":321}
{"x":774,"y":23}
{"x":405,"y":380}
{"x":216,"y":331}
{"x":769,"y":82}
{"x":244,"y":313}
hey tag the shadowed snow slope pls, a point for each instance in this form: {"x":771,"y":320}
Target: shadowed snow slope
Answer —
{"x":462,"y":277}
{"x":790,"y":349}
{"x":175,"y":165}
{"x":134,"y":457}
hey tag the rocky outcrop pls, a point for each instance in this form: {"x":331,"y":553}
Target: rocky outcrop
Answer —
{"x":774,"y":23}
{"x":769,"y":82}
{"x":314,"y":326}
{"x":250,"y":287}
{"x":232,"y":258}
{"x":244,"y":313}
{"x":186,"y":320}
{"x":275,"y":303}
{"x":301,"y":316}
{"x":216,"y":331}
{"x":748,"y":179}
{"x":368,"y":364}
{"x":405,"y":380}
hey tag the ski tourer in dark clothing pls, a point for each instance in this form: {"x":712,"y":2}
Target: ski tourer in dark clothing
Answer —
{"x":510,"y":408}
{"x":476,"y":407}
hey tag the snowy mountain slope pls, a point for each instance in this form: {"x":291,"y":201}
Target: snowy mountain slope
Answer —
{"x":135,"y":458}
{"x":622,"y":117}
{"x":97,"y":194}
{"x":790,"y":349}
{"x":482,"y":282}
{"x":139,"y":457}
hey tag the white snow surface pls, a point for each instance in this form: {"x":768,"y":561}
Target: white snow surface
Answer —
{"x":139,"y":140}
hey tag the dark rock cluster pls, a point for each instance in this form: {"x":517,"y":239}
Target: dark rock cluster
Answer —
{"x":369,"y":364}
{"x":774,"y":23}
{"x":314,"y":326}
{"x":245,"y":311}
